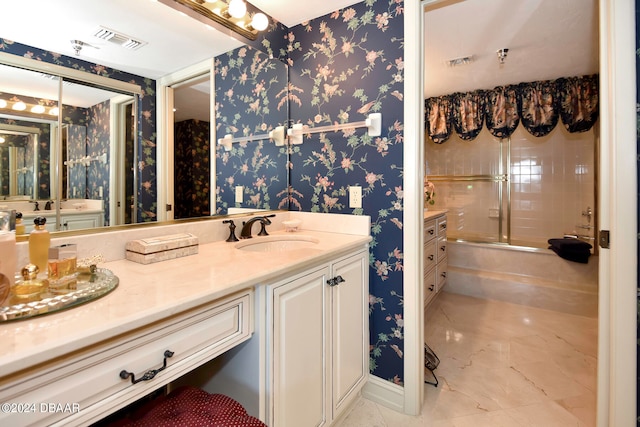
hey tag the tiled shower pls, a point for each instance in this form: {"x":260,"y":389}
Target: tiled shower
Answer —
{"x":521,"y":190}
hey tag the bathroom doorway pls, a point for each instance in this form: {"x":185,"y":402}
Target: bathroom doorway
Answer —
{"x":492,"y":182}
{"x":508,"y":165}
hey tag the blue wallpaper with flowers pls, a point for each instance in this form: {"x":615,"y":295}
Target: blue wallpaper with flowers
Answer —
{"x":346,"y":65}
{"x":251,"y":99}
{"x":147,"y":191}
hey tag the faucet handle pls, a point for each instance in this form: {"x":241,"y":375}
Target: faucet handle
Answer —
{"x":264,"y":221}
{"x":232,"y":231}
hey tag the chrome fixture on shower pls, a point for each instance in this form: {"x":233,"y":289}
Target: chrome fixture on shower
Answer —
{"x":502,"y":55}
{"x":588,"y":213}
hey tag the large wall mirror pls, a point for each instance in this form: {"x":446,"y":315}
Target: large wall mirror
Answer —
{"x":81,"y":168}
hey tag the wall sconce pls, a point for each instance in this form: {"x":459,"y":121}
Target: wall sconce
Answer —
{"x":232,"y":15}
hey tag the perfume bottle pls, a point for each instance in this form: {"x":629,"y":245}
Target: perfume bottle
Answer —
{"x":39,"y":241}
{"x":30,"y":288}
{"x":20,"y":229}
{"x":62,"y":267}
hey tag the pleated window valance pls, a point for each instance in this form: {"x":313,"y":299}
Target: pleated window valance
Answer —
{"x":537,"y":105}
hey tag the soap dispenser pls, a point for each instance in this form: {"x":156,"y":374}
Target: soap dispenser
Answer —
{"x":39,"y":241}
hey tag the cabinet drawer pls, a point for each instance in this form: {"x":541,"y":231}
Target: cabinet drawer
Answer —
{"x":441,"y":275}
{"x":441,"y":249}
{"x":429,"y":284}
{"x":430,"y":256}
{"x":429,"y":231}
{"x":442,"y":226}
{"x":91,"y":385}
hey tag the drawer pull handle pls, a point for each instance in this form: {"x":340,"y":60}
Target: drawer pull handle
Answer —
{"x":443,"y":226}
{"x":431,"y":231}
{"x":431,"y":288}
{"x":444,"y":274}
{"x":430,"y":257}
{"x":150,"y":374}
{"x":335,"y":281}
{"x":444,"y":248}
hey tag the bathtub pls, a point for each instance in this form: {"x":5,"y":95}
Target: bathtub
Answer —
{"x":527,"y":276}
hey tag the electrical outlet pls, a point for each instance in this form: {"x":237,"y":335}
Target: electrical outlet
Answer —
{"x":494,"y":213}
{"x":355,"y":197}
{"x":239,"y":193}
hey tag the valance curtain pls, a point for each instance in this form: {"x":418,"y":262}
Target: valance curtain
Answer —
{"x":538,"y":105}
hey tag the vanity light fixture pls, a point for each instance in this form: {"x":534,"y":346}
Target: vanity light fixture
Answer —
{"x":2,"y":140}
{"x":24,"y":107}
{"x":38,"y":109}
{"x":236,"y":15}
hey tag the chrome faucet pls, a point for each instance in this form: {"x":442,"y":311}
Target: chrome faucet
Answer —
{"x":246,"y":226}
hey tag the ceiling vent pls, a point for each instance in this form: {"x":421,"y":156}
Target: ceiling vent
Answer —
{"x":120,"y":39}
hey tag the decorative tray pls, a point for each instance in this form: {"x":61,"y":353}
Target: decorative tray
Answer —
{"x":90,"y":286}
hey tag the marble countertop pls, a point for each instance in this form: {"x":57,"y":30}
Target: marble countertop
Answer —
{"x":429,"y":214}
{"x":148,"y":293}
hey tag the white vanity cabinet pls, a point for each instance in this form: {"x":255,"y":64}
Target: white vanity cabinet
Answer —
{"x":89,"y":384}
{"x":82,"y":220}
{"x":435,"y":255}
{"x":317,"y":353}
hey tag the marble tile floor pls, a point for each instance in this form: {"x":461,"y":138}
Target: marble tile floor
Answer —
{"x":501,"y":365}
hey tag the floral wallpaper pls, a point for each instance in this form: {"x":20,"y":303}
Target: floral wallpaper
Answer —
{"x":344,"y":66}
{"x":192,"y":170}
{"x":147,"y":187}
{"x":24,"y":183}
{"x":251,"y":99}
{"x":74,"y":182}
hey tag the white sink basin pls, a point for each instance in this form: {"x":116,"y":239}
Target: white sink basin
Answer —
{"x":277,"y":243}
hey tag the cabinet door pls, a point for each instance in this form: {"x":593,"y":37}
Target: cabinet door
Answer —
{"x":350,"y":330}
{"x":299,"y":367}
{"x":80,"y":222}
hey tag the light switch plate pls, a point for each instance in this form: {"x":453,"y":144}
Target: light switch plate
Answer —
{"x":239,"y":193}
{"x":355,"y":197}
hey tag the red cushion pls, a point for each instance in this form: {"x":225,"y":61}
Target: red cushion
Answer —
{"x":190,"y":406}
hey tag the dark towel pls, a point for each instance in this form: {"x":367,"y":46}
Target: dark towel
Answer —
{"x":571,"y":249}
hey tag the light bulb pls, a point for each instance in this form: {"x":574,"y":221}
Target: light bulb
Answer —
{"x":237,"y":8}
{"x":1,"y":139}
{"x":19,"y":106}
{"x":260,"y":21}
{"x":54,"y":111}
{"x":37,"y":109}
{"x":3,"y":103}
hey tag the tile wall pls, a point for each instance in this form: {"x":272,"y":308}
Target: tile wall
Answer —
{"x":552,"y":183}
